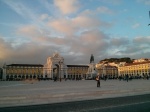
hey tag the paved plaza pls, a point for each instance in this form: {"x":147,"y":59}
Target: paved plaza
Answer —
{"x":19,"y":93}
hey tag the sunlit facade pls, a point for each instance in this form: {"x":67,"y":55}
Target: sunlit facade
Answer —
{"x":54,"y":68}
{"x":23,"y":71}
{"x":77,"y":71}
{"x":108,"y":70}
{"x":135,"y":69}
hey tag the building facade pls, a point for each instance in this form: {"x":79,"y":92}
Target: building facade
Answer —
{"x":141,"y":69}
{"x":22,"y":71}
{"x":54,"y":68}
{"x":107,"y":70}
{"x":77,"y":71}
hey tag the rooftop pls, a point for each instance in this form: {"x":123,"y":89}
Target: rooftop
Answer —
{"x":26,"y":65}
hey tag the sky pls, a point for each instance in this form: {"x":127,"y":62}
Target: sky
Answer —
{"x":32,"y":30}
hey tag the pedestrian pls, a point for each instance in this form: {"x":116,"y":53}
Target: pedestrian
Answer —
{"x":98,"y":80}
{"x":105,"y":77}
{"x":127,"y":77}
{"x":119,"y":78}
{"x":55,"y":79}
{"x":147,"y":77}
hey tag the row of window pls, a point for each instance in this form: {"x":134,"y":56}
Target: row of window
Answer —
{"x":144,"y":70}
{"x":135,"y":67}
{"x":136,"y":71}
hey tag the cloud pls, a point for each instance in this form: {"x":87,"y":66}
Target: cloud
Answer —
{"x":88,"y":42}
{"x":25,"y":53}
{"x":5,"y":49}
{"x":20,"y":9}
{"x":75,"y":50}
{"x":34,"y":33}
{"x":29,"y":15}
{"x":71,"y":26}
{"x":63,"y":25}
{"x":75,"y":37}
{"x":67,"y":6}
{"x":86,"y":22}
{"x":138,"y":48}
{"x":118,"y":42}
{"x":142,"y":40}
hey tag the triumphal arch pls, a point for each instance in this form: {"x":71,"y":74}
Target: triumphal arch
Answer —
{"x":55,"y":67}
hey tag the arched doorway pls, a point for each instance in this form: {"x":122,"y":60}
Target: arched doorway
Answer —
{"x":11,"y":77}
{"x":54,"y":67}
{"x":30,"y":76}
{"x":23,"y":77}
{"x":7,"y":77}
{"x":27,"y":76}
{"x":34,"y":77}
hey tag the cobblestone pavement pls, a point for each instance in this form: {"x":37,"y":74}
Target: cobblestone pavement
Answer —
{"x":19,"y":93}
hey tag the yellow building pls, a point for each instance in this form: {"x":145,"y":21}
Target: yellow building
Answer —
{"x":24,"y":71}
{"x":107,"y":70}
{"x":135,"y":69}
{"x":77,"y":71}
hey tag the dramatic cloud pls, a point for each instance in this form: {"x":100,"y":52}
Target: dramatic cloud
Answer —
{"x":77,"y":24}
{"x":25,"y":53}
{"x":72,"y":29}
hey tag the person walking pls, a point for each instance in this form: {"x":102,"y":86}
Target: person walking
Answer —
{"x":127,"y":77}
{"x":98,"y":80}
